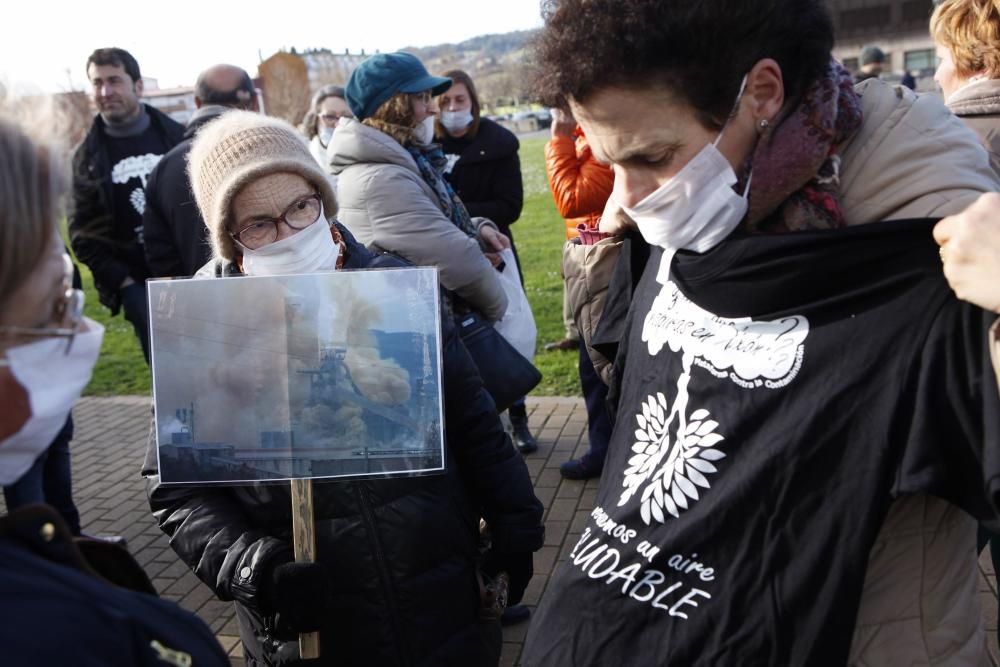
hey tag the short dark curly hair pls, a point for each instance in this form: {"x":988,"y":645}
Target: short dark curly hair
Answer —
{"x":698,"y":50}
{"x":117,"y":58}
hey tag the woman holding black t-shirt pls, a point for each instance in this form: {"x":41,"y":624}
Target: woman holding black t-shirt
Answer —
{"x":796,"y":390}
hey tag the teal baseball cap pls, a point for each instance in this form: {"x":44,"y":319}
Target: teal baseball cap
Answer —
{"x":383,"y":75}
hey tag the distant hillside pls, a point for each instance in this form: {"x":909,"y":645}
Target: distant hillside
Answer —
{"x":497,"y":63}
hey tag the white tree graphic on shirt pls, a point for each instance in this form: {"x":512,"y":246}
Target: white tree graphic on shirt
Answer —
{"x":672,"y":468}
{"x":135,"y":166}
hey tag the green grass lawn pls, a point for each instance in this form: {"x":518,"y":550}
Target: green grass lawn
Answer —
{"x":539,"y":235}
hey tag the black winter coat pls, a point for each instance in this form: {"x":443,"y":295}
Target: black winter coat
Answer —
{"x":51,"y":587}
{"x":97,"y":242}
{"x":487,"y":175}
{"x":175,"y":237}
{"x":401,"y":552}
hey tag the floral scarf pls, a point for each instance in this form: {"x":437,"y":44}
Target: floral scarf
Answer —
{"x":431,"y":163}
{"x":796,"y":166}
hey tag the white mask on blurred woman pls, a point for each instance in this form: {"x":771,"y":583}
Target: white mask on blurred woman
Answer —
{"x":325,"y":135}
{"x":423,"y":133}
{"x":456,"y":121}
{"x":694,"y":210}
{"x":53,"y":380}
{"x":309,"y":251}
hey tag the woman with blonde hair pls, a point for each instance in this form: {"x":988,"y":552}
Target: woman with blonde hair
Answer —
{"x":967,"y":34}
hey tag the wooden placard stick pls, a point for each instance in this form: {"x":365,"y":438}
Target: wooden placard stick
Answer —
{"x":304,"y":543}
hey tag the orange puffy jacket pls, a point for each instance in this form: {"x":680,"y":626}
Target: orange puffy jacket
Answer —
{"x":580,"y":184}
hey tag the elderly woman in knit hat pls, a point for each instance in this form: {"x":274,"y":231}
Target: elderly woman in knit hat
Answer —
{"x":396,"y":578}
{"x":393,"y":195}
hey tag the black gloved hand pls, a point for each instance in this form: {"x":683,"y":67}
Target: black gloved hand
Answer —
{"x":298,"y":594}
{"x":519,"y":568}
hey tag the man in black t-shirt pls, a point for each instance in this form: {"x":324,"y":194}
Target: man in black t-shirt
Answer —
{"x":110,"y":168}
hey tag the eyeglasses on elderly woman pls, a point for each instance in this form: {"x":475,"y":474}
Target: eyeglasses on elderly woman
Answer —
{"x":264,"y":231}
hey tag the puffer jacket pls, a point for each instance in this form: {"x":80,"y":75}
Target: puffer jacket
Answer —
{"x":580,"y":184}
{"x":387,"y":205}
{"x":401,"y":553}
{"x":978,"y":104}
{"x":587,"y":271}
{"x":920,"y":604}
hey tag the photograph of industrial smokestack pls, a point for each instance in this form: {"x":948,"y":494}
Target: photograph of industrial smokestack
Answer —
{"x":316,"y":376}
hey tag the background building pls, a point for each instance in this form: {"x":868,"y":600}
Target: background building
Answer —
{"x":288,"y":79}
{"x":178,"y":103}
{"x":899,"y":27}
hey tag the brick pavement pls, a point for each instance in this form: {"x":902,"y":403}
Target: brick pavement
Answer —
{"x":110,"y":443}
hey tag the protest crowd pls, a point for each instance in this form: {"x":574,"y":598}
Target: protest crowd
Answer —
{"x":781,"y":288}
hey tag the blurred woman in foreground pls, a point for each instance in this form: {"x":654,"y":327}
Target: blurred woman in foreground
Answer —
{"x":49,"y":583}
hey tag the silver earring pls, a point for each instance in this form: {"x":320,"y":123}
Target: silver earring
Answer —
{"x":764,"y":124}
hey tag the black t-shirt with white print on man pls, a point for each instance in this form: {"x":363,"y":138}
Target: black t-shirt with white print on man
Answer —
{"x":132,"y":159}
{"x":775,"y":395}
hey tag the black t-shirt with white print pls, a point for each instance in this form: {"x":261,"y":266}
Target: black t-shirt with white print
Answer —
{"x":775,"y":395}
{"x":132,"y":159}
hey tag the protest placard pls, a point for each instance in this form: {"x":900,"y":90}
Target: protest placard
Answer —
{"x":333,"y":375}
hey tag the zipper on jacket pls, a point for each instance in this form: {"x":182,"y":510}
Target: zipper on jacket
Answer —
{"x":383,"y":571}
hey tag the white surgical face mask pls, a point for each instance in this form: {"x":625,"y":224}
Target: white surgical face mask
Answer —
{"x":456,"y":121}
{"x":325,"y":134}
{"x":423,"y":134}
{"x":54,"y":381}
{"x":309,"y":251}
{"x":694,"y":210}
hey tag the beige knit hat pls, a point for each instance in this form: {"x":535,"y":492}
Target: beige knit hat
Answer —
{"x":235,"y":150}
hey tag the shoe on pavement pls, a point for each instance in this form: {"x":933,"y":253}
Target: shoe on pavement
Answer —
{"x":578,"y":469}
{"x":522,"y":437}
{"x":564,"y":345}
{"x":517,"y":613}
{"x":116,"y":540}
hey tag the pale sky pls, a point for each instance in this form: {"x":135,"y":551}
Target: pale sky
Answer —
{"x":45,"y":44}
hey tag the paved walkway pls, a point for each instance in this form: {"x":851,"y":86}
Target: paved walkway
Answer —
{"x":108,"y":451}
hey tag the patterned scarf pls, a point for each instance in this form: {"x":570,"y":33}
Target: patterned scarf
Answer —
{"x":796,"y":166}
{"x":431,"y":161}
